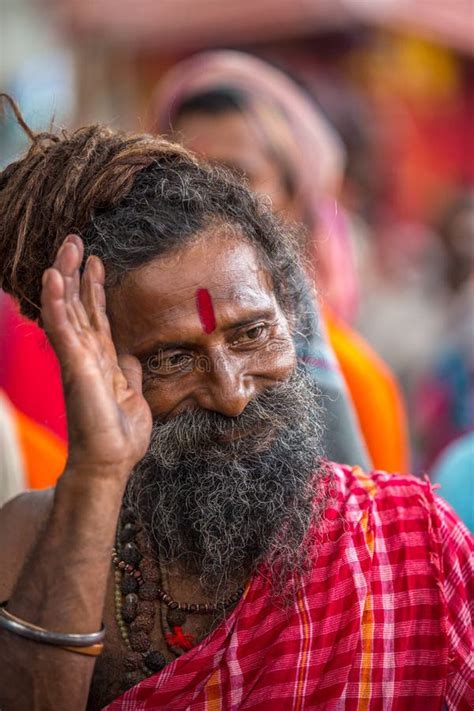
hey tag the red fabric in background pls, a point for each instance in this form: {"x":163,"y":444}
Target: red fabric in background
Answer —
{"x":29,"y":370}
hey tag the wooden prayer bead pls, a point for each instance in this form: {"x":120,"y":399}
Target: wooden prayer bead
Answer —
{"x":139,"y":641}
{"x":147,"y":607}
{"x":150,"y":571}
{"x":130,"y":554}
{"x":176,"y":617}
{"x":142,"y":623}
{"x":129,"y":611}
{"x":148,"y":591}
{"x":128,"y":533}
{"x":132,"y":660}
{"x":155,"y":660}
{"x":129,"y":584}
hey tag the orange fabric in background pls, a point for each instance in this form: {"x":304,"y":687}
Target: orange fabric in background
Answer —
{"x":375,"y":394}
{"x":43,"y":453}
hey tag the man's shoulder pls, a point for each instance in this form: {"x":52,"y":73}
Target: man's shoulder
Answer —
{"x":397,"y":505}
{"x":356,"y":487}
{"x":28,"y":508}
{"x":21,"y":520}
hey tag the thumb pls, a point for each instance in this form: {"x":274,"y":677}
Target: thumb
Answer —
{"x":132,"y":371}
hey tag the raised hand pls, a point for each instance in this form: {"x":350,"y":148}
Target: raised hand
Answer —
{"x":109,"y":421}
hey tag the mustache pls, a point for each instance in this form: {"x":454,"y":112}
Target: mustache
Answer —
{"x":265,"y":417}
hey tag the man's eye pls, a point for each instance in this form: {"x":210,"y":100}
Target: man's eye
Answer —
{"x":162,"y":364}
{"x":252,"y":334}
{"x":177,"y":360}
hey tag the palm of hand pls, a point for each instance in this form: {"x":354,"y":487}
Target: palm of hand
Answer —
{"x":109,"y":421}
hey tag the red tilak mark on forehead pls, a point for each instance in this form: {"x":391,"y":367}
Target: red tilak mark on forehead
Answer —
{"x":205,"y":310}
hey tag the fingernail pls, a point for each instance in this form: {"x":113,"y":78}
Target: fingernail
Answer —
{"x":73,"y":239}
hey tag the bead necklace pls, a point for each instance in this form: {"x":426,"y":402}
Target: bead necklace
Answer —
{"x":137,"y":587}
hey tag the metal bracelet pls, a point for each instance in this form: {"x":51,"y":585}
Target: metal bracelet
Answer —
{"x":14,"y":624}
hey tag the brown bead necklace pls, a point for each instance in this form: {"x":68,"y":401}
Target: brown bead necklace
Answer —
{"x":138,"y":580}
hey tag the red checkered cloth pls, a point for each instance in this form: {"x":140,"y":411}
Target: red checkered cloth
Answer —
{"x":384,"y":621}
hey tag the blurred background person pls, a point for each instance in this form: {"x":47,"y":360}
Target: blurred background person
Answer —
{"x":239,"y":111}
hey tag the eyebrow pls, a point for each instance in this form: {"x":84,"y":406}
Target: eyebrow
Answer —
{"x":147,"y":351}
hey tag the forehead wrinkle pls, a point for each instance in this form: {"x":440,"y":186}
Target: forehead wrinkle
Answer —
{"x":223,"y":308}
{"x":215,"y":281}
{"x":239,"y":291}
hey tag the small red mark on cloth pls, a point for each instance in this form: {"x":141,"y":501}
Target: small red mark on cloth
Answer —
{"x":205,"y":310}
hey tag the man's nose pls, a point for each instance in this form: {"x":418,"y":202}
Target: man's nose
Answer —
{"x":226,"y":388}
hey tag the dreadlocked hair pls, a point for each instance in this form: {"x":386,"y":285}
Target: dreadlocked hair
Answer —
{"x":131,"y":198}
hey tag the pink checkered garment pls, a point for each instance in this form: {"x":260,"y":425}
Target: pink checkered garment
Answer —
{"x":383,"y":622}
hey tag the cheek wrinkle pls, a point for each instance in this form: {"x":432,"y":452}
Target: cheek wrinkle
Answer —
{"x":205,"y":310}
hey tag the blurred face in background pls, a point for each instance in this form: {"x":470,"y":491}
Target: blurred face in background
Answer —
{"x":231,"y":138}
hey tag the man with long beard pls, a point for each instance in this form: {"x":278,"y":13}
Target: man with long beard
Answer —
{"x":197,"y":552}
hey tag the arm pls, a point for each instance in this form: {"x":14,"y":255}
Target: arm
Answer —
{"x":62,"y":584}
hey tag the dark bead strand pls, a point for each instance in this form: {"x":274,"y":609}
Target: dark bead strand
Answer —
{"x":129,"y":585}
{"x":138,"y":613}
{"x":137,"y":580}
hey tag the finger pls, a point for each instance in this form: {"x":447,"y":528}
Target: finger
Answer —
{"x":132,"y":370}
{"x":68,"y":261}
{"x":93,"y":294}
{"x":57,"y":324}
{"x":77,"y":241}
